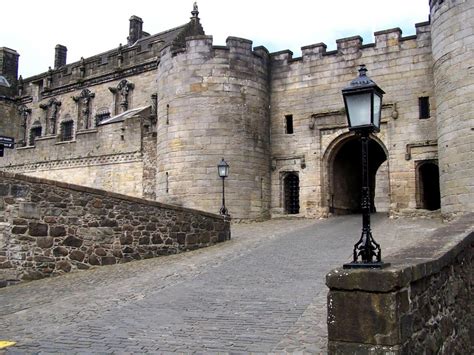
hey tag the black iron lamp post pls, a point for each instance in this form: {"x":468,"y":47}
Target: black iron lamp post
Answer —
{"x":223,"y":170}
{"x":363,"y":102}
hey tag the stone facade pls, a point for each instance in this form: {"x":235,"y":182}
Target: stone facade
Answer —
{"x":50,"y":227}
{"x":152,"y":119}
{"x":421,"y":303}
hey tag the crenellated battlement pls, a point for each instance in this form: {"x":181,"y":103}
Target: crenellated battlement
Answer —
{"x":389,"y":40}
{"x":204,"y":45}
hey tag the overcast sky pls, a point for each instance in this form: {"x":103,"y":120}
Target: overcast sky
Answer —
{"x":88,"y":27}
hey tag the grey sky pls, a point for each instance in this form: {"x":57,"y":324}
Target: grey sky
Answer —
{"x":33,"y":27}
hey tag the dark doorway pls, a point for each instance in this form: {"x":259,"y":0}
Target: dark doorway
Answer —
{"x":346,"y":175}
{"x":428,"y":186}
{"x":291,"y":184}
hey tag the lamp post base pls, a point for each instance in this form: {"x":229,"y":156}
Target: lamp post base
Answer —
{"x":362,"y":265}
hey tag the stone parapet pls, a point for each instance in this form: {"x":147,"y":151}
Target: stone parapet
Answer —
{"x":49,"y":228}
{"x":423,"y":302}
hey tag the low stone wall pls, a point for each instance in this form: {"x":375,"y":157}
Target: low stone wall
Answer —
{"x":49,"y":227}
{"x":422,"y":304}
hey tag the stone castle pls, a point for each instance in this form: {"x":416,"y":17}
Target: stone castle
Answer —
{"x":153,"y":118}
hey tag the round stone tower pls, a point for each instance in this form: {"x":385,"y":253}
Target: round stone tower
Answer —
{"x":213,"y":103}
{"x":453,"y":54}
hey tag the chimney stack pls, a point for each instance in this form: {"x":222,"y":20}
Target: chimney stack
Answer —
{"x":60,"y":54}
{"x":136,"y":29}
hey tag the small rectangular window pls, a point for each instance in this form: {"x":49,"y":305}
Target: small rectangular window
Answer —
{"x":289,"y":124}
{"x":67,"y":131}
{"x":424,"y":105}
{"x":34,"y":133}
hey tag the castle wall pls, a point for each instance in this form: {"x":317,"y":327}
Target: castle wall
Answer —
{"x":213,"y":103}
{"x":453,"y":54}
{"x":309,"y":89}
{"x":108,"y":157}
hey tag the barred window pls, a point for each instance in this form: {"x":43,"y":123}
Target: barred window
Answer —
{"x":67,"y":130}
{"x":35,"y":132}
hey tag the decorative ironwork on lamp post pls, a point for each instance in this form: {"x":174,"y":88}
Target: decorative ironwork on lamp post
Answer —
{"x":223,"y":171}
{"x":363,"y":103}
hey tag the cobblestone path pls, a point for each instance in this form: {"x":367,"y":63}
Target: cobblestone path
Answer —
{"x":261,"y":292}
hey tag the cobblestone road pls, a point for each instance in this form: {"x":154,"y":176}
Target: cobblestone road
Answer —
{"x":261,"y":292}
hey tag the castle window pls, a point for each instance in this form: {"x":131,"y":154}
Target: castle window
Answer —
{"x":289,"y":124}
{"x":67,"y":130}
{"x":35,"y":132}
{"x":102,"y":114}
{"x":424,"y":106}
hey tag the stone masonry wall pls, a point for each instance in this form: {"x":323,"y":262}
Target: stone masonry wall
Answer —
{"x":422,"y":303}
{"x":309,"y":89}
{"x":49,"y":228}
{"x":213,"y":103}
{"x":453,"y":55}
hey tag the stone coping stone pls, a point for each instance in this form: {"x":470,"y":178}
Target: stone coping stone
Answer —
{"x":410,"y":264}
{"x":90,"y":190}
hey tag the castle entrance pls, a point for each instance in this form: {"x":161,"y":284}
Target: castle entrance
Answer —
{"x":345,"y":176}
{"x":291,"y":184}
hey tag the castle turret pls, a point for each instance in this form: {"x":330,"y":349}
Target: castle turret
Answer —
{"x":213,"y":102}
{"x":8,"y":71}
{"x":453,"y":55}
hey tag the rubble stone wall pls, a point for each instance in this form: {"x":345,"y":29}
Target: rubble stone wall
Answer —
{"x":422,"y":303}
{"x":49,"y":227}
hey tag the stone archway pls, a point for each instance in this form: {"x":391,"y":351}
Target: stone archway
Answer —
{"x":344,"y":174}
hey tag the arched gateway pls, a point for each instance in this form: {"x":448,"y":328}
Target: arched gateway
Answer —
{"x":343,"y":175}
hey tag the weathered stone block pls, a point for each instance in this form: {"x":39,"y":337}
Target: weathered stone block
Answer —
{"x":37,"y":229}
{"x":60,"y":251}
{"x":63,"y":265}
{"x":100,"y":252}
{"x":19,"y":229}
{"x":181,"y":238}
{"x":19,"y":190}
{"x":4,"y":189}
{"x":94,"y":260}
{"x":108,"y":260}
{"x":72,"y":241}
{"x":374,"y":320}
{"x":29,"y":210}
{"x":44,"y":242}
{"x":77,"y":255}
{"x":57,"y":231}
{"x":126,"y":239}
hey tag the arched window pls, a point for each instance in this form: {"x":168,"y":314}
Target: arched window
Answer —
{"x":35,"y":132}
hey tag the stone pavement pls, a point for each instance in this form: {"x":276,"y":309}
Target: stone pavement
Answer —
{"x":261,"y":292}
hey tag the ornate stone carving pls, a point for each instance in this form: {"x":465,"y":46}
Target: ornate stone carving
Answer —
{"x":83,"y":101}
{"x":195,"y":11}
{"x":24,"y":111}
{"x":51,"y":108}
{"x":122,"y":95}
{"x":82,"y":67}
